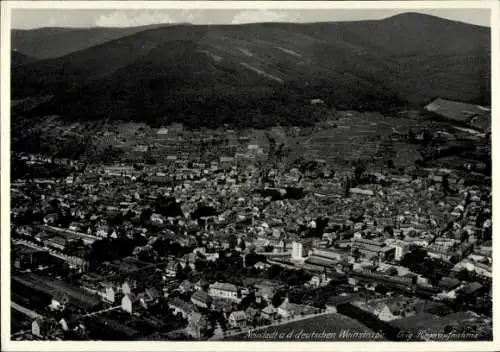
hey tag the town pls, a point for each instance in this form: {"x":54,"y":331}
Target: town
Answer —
{"x":228,"y":238}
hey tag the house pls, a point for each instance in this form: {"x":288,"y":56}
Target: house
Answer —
{"x":226,"y":161}
{"x":316,"y":101}
{"x":39,"y":327}
{"x":201,"y":284}
{"x":170,"y":285}
{"x":162,"y":131}
{"x":223,"y":290}
{"x":74,"y":226}
{"x":51,"y":219}
{"x":471,"y":288}
{"x":261,"y":266}
{"x":237,"y":319}
{"x":201,"y":299}
{"x":186,"y":286}
{"x":482,"y":269}
{"x":102,"y":231}
{"x":301,"y":249}
{"x":269,"y":313}
{"x":108,"y":293}
{"x":448,"y":283}
{"x":384,"y":313}
{"x":172,"y":268}
{"x":127,"y":303}
{"x":181,"y":307}
{"x":59,"y":301}
{"x":211,"y":256}
{"x":150,"y":294}
{"x":25,"y":257}
{"x":63,"y":324}
{"x":371,"y":249}
{"x":188,"y":259}
{"x":289,"y":310}
{"x":157,"y":219}
{"x":127,"y":287}
{"x":318,"y":280}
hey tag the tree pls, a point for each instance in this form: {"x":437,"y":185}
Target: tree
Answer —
{"x":359,"y":171}
{"x":278,"y":298}
{"x":146,"y":215}
{"x":200,"y":265}
{"x":389,"y":230}
{"x":268,"y":248}
{"x":274,"y":271}
{"x":411,"y":136}
{"x":415,"y":259}
{"x":445,"y":185}
{"x":356,"y":254}
{"x":180,"y":274}
{"x":252,"y":258}
{"x":347,"y":187}
{"x":138,"y":167}
{"x":243,"y":245}
{"x":247,"y":301}
{"x":233,"y":241}
{"x":427,"y":137}
{"x":465,"y":275}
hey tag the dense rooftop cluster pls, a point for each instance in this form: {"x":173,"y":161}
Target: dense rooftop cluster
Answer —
{"x":217,"y":248}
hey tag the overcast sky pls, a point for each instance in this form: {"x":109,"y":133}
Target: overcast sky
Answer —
{"x":34,"y":18}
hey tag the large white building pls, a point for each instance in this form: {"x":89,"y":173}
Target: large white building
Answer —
{"x":301,"y":249}
{"x":401,"y":248}
{"x":223,"y":290}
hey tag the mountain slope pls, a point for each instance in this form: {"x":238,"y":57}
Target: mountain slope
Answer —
{"x":18,"y":59}
{"x":45,"y":43}
{"x":264,"y":72}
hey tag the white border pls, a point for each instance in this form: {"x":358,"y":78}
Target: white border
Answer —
{"x":7,"y":345}
{"x":280,"y":5}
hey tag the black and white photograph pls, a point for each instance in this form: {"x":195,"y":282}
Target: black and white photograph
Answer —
{"x":307,"y":174}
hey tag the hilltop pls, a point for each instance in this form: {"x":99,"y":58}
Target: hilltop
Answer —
{"x":18,"y":59}
{"x":51,"y":42}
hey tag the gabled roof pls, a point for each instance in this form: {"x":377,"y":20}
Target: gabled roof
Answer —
{"x":201,"y":296}
{"x":238,"y":315}
{"x":180,"y":304}
{"x":224,"y":286}
{"x":269,"y":310}
{"x":448,"y":282}
{"x":472,"y":287}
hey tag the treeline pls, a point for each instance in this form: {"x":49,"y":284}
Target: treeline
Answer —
{"x":160,"y":102}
